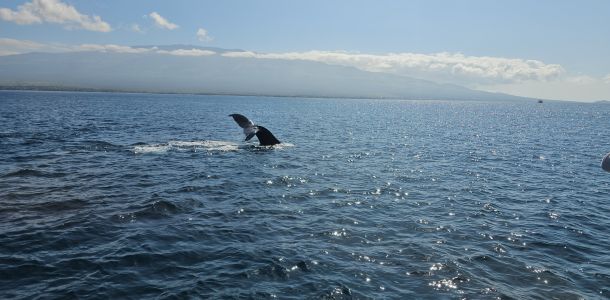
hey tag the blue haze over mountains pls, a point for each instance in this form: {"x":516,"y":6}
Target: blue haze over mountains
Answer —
{"x":217,"y":74}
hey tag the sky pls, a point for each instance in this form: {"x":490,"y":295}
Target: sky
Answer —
{"x":542,"y":49}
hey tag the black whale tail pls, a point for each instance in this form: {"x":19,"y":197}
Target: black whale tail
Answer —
{"x":606,"y":163}
{"x":265,"y":137}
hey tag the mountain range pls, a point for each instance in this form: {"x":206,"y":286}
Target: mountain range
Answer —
{"x":167,"y":70}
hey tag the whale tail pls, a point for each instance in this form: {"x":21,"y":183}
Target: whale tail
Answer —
{"x":242,"y":121}
{"x":606,"y":163}
{"x":265,"y":137}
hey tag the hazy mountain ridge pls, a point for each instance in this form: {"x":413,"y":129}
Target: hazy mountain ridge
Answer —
{"x":217,"y":74}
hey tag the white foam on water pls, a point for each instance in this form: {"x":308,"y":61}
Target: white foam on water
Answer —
{"x":222,"y":146}
{"x":155,"y":148}
{"x":281,"y":146}
{"x":186,"y":146}
{"x":219,"y":146}
{"x":186,"y":143}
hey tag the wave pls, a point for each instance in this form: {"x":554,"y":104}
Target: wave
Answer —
{"x":60,"y":205}
{"x":156,"y":210}
{"x":279,"y":146}
{"x":33,"y":173}
{"x":100,"y":144}
{"x":220,"y":146}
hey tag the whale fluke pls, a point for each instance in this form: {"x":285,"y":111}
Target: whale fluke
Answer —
{"x":242,"y":121}
{"x":606,"y":163}
{"x":265,"y":137}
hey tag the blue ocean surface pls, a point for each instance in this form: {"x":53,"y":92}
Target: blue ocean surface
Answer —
{"x":110,"y":195}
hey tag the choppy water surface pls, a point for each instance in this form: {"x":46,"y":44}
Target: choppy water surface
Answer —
{"x":156,"y":196}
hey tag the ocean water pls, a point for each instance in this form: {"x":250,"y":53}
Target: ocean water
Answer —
{"x":108,"y":195}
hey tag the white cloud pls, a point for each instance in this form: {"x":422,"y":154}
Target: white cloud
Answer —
{"x":111,"y":48}
{"x":162,"y":22}
{"x":203,"y":35}
{"x":53,"y":11}
{"x":13,"y":46}
{"x":245,"y":54}
{"x":22,"y":17}
{"x":441,"y":67}
{"x":185,"y":52}
{"x":127,"y":49}
{"x":607,"y":79}
{"x":582,"y":79}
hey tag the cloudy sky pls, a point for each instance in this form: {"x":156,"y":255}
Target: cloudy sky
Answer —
{"x":546,"y":48}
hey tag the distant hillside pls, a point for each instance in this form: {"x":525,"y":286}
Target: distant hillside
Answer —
{"x":216,"y":74}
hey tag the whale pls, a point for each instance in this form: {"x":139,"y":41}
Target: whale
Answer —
{"x":606,"y":163}
{"x":265,"y":137}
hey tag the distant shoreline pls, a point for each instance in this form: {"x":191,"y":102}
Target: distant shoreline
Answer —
{"x":42,"y":88}
{"x":94,"y":90}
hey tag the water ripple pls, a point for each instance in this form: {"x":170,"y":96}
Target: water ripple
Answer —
{"x":156,"y":196}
